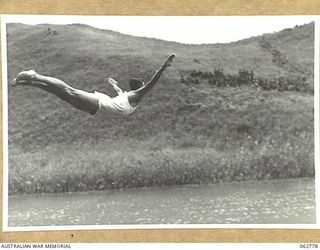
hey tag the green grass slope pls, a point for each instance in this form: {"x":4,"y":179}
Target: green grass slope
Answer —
{"x":180,"y":134}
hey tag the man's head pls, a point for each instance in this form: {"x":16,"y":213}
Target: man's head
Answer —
{"x":135,"y":83}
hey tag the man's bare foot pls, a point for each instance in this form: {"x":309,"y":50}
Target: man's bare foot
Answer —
{"x":24,"y":76}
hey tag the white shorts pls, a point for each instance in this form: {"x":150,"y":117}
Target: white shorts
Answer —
{"x":119,"y":104}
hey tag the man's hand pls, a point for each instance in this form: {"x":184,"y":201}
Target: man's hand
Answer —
{"x":112,"y":81}
{"x":169,"y":61}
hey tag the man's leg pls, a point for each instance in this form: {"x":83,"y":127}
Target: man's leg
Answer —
{"x":79,"y":99}
{"x":135,"y":96}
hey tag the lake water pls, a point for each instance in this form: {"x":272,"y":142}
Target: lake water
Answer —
{"x":263,"y":202}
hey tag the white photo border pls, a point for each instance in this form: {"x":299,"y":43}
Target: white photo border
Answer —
{"x":6,"y":228}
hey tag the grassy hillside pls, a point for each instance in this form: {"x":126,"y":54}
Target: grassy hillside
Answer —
{"x":180,"y":134}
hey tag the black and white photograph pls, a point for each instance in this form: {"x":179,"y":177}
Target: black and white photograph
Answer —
{"x":159,"y":121}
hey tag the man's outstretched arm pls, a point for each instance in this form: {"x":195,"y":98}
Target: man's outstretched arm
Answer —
{"x":158,"y":73}
{"x":135,"y":96}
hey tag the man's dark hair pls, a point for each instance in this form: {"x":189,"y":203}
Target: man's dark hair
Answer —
{"x":135,"y":83}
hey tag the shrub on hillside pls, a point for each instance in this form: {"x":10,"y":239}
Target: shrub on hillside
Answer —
{"x":245,"y":77}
